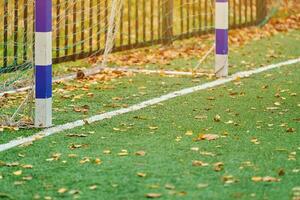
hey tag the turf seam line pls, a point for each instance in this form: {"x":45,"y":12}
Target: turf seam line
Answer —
{"x":139,"y":106}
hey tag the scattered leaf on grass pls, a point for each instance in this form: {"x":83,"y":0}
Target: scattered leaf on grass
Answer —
{"x":219,"y":166}
{"x":200,"y":117}
{"x":17,"y":173}
{"x":27,"y":166}
{"x":178,"y":138}
{"x":62,"y":190}
{"x":123,"y":153}
{"x":76,"y":135}
{"x":290,"y":130}
{"x":140,"y":153}
{"x":199,"y":163}
{"x":5,"y":195}
{"x":19,"y":182}
{"x":72,"y":192}
{"x":27,"y":178}
{"x":169,"y":186}
{"x":76,"y":146}
{"x":281,"y":172}
{"x":153,"y":195}
{"x":72,"y":155}
{"x":206,"y":153}
{"x":153,"y":128}
{"x":189,"y":133}
{"x":217,"y":118}
{"x":93,"y":187}
{"x":292,"y":155}
{"x":84,"y":160}
{"x":106,"y":151}
{"x":208,"y":137}
{"x":255,"y":141}
{"x":195,"y":148}
{"x":229,"y":179}
{"x":140,"y":174}
{"x":10,"y":164}
{"x":264,"y":179}
{"x":98,"y":161}
{"x":55,"y":156}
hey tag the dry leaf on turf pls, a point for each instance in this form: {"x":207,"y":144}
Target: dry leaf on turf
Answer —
{"x":189,"y":133}
{"x":281,"y":172}
{"x":17,"y":173}
{"x":93,"y":187}
{"x":219,"y":166}
{"x":84,"y":160}
{"x":208,"y":137}
{"x":153,"y":195}
{"x":62,"y":190}
{"x":153,"y":127}
{"x":195,"y":148}
{"x":106,"y":151}
{"x":264,"y":179}
{"x":27,"y":178}
{"x":229,"y":179}
{"x":217,"y":118}
{"x":98,"y":161}
{"x":255,"y":141}
{"x":27,"y":166}
{"x":140,"y":174}
{"x":123,"y":153}
{"x":199,"y":163}
{"x":140,"y":153}
{"x":169,"y":187}
{"x":77,"y":135}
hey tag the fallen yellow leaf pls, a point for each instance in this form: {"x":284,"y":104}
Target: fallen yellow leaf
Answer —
{"x":17,"y":173}
{"x":153,"y":195}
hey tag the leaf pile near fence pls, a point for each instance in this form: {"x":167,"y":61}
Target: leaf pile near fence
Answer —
{"x":80,"y":26}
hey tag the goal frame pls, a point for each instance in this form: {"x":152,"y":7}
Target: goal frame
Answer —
{"x":43,"y":55}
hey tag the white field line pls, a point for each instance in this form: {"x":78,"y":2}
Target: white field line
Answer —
{"x":96,"y":70}
{"x":108,"y":115}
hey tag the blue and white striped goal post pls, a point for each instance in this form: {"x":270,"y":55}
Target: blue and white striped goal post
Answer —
{"x":221,"y":25}
{"x":43,"y":63}
{"x":43,"y":55}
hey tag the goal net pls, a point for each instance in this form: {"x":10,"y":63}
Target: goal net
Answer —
{"x":96,"y":36}
{"x":16,"y":62}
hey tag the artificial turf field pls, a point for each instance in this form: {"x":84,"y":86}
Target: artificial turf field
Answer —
{"x":161,"y":151}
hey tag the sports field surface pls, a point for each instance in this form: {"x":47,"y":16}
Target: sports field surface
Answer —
{"x":239,"y":140}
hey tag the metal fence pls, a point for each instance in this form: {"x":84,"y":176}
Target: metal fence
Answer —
{"x":80,"y":26}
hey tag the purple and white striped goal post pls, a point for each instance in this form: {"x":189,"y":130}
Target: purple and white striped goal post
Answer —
{"x":221,"y":26}
{"x":43,"y":63}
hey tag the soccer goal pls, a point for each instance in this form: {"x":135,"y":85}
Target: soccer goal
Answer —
{"x":106,"y":34}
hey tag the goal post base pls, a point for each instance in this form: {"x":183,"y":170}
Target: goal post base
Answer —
{"x":43,"y":113}
{"x":221,"y":66}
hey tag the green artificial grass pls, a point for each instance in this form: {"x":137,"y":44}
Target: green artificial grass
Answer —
{"x":258,"y":129}
{"x":71,"y":103}
{"x":258,"y":134}
{"x":136,"y":89}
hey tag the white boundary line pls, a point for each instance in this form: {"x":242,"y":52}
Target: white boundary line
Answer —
{"x":96,"y":70}
{"x":108,"y":115}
